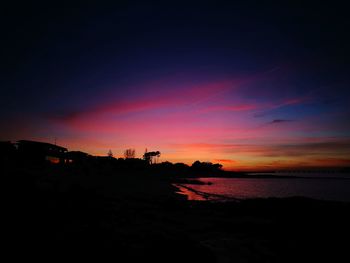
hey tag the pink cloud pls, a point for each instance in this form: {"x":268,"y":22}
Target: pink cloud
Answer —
{"x":268,"y":107}
{"x":157,"y":99}
{"x":229,"y":108}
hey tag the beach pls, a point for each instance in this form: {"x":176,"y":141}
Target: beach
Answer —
{"x":54,"y":216}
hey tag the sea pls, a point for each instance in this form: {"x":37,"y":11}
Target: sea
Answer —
{"x":332,"y":187}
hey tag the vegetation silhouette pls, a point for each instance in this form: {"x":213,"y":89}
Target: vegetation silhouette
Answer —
{"x":151,"y":157}
{"x":129,"y":154}
{"x":104,"y":208}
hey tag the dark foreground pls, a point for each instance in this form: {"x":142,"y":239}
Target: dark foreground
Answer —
{"x":53,"y":215}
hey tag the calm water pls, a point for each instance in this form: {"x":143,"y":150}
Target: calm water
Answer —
{"x":326,"y":189}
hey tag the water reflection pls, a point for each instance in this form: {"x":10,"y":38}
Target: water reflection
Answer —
{"x":190,"y":194}
{"x":228,"y":188}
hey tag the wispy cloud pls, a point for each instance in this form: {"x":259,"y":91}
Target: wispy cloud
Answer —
{"x":267,"y":109}
{"x":159,"y":98}
{"x":230,"y":108}
{"x":274,"y":150}
{"x":276,"y":121}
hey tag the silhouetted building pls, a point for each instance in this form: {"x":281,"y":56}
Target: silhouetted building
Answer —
{"x":40,"y":151}
{"x":76,"y":157}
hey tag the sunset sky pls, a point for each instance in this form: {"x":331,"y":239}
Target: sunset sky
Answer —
{"x":251,"y":88}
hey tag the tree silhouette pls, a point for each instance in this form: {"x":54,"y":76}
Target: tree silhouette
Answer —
{"x":129,"y":153}
{"x":151,"y":157}
{"x":206,"y":166}
{"x":110,"y":154}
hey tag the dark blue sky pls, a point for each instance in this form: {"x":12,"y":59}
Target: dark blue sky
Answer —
{"x":290,"y":60}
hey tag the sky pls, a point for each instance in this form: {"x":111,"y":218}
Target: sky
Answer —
{"x":252,"y":86}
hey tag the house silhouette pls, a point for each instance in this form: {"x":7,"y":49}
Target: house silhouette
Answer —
{"x":41,"y":151}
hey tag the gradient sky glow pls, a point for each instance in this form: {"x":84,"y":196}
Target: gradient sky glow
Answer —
{"x":251,"y":88}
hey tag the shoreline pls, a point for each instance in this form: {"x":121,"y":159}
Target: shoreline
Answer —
{"x":205,"y":195}
{"x":94,"y":215}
